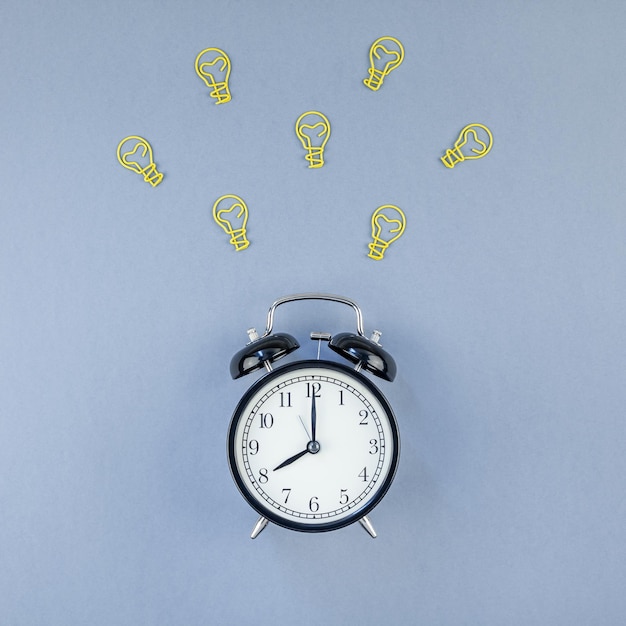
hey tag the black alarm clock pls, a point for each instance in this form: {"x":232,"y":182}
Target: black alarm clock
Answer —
{"x":313,"y":445}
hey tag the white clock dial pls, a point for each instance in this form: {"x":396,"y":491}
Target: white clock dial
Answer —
{"x":313,"y":445}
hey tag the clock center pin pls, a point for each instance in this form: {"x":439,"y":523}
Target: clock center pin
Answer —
{"x":313,"y":447}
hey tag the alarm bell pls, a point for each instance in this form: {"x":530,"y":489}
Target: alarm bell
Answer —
{"x":366,"y":353}
{"x":261,"y":352}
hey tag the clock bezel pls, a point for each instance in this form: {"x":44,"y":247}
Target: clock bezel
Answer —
{"x":252,"y":497}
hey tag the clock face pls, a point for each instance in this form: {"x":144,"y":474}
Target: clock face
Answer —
{"x":313,"y":446}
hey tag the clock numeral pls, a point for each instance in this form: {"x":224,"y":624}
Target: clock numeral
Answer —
{"x":374,"y":444}
{"x":341,"y":397}
{"x":253,"y":444}
{"x":285,"y":399}
{"x":314,"y":506}
{"x":287,"y":494}
{"x":313,"y":389}
{"x":267,"y":420}
{"x":363,"y":414}
{"x":263,"y":477}
{"x":364,"y":475}
{"x":343,"y":497}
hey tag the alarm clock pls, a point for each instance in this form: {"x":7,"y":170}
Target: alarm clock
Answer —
{"x":313,"y":445}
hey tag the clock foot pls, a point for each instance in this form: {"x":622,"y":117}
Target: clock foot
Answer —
{"x":365,"y":522}
{"x":259,"y":526}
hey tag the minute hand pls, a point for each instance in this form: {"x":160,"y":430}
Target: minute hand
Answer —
{"x":313,"y":418}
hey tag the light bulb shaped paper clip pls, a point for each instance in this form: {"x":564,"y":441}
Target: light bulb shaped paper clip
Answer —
{"x":313,"y":131}
{"x":474,"y":142}
{"x":135,"y":154}
{"x":213,"y":67}
{"x":231,"y":213}
{"x":388,"y":223}
{"x":386,"y":54}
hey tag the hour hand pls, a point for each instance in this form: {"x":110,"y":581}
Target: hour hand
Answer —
{"x":291,"y":459}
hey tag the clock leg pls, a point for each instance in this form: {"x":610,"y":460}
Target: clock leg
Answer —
{"x":365,"y":522}
{"x":259,"y":526}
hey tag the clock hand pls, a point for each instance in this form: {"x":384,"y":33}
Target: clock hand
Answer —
{"x":313,"y":417}
{"x":303,"y":426}
{"x":313,"y":447}
{"x":291,"y":459}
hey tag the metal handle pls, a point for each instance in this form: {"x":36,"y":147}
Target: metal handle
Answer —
{"x":314,"y":296}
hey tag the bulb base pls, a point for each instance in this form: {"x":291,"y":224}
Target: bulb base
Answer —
{"x":220,"y":93}
{"x":315,"y":157}
{"x":375,"y":79}
{"x":377,"y":249}
{"x":452,"y":157}
{"x":151,"y":175}
{"x":238,"y":239}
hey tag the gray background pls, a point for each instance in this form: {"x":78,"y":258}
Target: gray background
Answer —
{"x":503,"y":304}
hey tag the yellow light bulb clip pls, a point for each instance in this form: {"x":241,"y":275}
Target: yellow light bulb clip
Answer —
{"x":231,"y":213}
{"x":212,"y":61}
{"x":135,"y":153}
{"x":313,"y":131}
{"x":474,"y":142}
{"x":388,"y":224}
{"x":388,"y":54}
